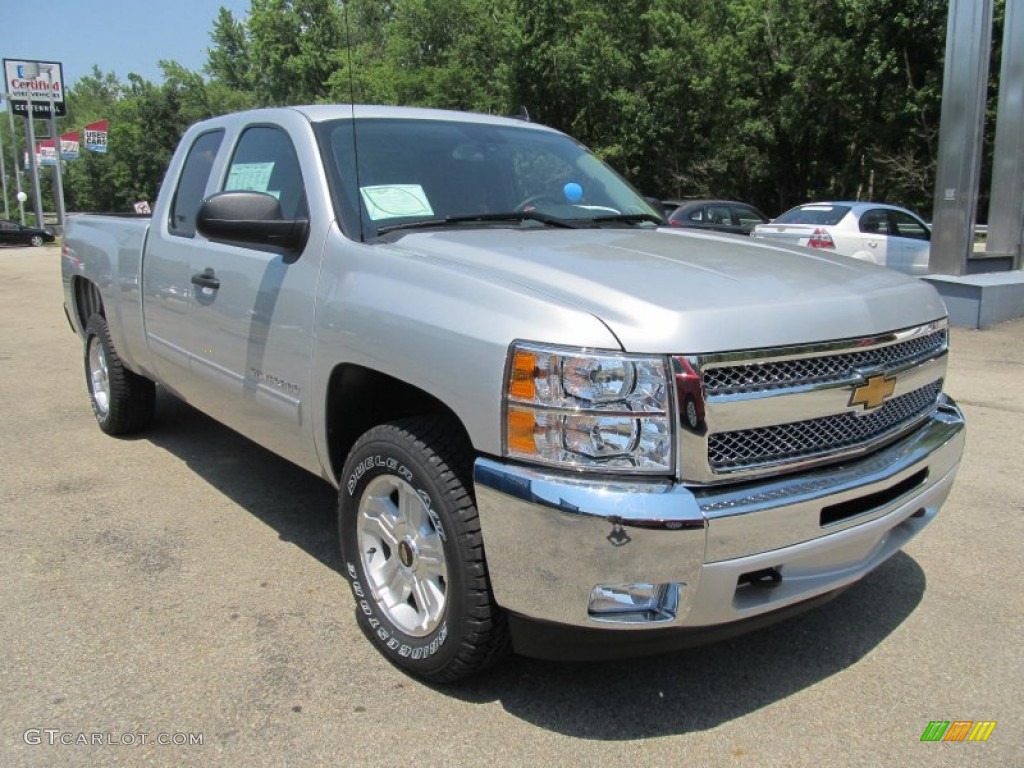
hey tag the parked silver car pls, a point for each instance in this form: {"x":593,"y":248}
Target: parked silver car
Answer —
{"x":875,"y":232}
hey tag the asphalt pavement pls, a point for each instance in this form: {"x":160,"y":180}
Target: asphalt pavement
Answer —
{"x":184,"y":587}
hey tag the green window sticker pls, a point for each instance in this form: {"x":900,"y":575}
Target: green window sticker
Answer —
{"x":392,"y":201}
{"x":253,"y":177}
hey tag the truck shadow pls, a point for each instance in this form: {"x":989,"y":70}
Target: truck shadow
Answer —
{"x":295,"y":503}
{"x":703,"y":687}
{"x":693,"y":690}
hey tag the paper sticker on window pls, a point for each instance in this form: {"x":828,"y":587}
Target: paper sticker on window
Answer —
{"x":250,"y":176}
{"x":391,"y":201}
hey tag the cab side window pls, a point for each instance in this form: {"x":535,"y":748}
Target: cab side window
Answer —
{"x":192,"y":184}
{"x":265,"y":161}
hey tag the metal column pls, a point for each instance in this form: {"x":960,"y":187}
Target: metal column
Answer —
{"x":30,"y":142}
{"x":1006,"y":211}
{"x":968,"y":42}
{"x":3,"y":176}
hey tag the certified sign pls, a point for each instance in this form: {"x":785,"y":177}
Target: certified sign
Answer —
{"x":38,"y":82}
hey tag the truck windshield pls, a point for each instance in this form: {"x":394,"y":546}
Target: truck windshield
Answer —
{"x":439,"y":173}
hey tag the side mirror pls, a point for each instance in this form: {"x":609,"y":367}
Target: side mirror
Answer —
{"x":250,"y":217}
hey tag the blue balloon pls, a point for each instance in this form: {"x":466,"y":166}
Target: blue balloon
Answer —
{"x":573,"y":192}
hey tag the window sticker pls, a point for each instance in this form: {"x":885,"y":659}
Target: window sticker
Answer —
{"x":390,"y":201}
{"x":250,"y":176}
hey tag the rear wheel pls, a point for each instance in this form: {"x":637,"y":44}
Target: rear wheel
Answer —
{"x":411,"y":542}
{"x":122,"y":401}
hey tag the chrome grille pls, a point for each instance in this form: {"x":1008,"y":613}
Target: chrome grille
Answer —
{"x":759,"y":377}
{"x":783,"y":443}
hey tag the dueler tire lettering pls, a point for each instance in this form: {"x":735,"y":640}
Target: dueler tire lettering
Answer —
{"x":412,"y":549}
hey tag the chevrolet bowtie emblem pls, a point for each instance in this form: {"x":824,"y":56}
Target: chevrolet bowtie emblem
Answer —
{"x":873,"y":392}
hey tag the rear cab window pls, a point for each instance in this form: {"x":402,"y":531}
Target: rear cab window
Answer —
{"x":192,"y":184}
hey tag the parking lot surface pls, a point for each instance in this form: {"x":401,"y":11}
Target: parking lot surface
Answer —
{"x":184,"y":586}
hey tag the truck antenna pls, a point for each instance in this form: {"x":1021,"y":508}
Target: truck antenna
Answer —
{"x":352,"y":108}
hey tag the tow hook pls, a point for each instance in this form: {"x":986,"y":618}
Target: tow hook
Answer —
{"x":767,"y":578}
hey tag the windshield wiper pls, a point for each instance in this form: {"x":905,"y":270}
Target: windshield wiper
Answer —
{"x":544,"y":218}
{"x":630,"y":218}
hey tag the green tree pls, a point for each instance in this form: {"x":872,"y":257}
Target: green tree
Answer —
{"x":774,"y":101}
{"x":441,"y":53}
{"x":294,"y":48}
{"x":229,"y":62}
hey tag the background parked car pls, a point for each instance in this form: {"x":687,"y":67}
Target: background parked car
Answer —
{"x":882,"y":234}
{"x":717,"y":215}
{"x":13,"y":233}
{"x":668,"y":206}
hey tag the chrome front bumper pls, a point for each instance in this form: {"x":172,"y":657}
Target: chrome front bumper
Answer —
{"x":551,"y":538}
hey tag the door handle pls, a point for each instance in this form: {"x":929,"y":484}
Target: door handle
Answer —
{"x":206,"y":279}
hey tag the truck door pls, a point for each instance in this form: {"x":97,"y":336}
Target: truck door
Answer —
{"x":167,"y":290}
{"x":252,"y":312}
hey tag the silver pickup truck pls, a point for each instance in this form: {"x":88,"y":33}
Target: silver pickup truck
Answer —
{"x":554,"y":425}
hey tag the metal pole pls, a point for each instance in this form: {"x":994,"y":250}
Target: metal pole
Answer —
{"x":3,"y":177}
{"x":1006,"y":210}
{"x":17,"y":162}
{"x":30,"y":131}
{"x":968,"y":40}
{"x":58,"y":179}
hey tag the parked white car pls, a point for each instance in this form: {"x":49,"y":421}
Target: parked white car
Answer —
{"x":875,"y":232}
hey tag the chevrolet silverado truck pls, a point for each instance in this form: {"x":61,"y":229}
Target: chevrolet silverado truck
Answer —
{"x":555,"y":426}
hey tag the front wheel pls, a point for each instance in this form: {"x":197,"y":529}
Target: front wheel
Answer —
{"x":36,"y":240}
{"x":122,"y":401}
{"x":413,"y":553}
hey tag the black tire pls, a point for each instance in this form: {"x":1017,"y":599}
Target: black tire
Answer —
{"x":36,"y":240}
{"x":122,"y":401}
{"x":418,"y":472}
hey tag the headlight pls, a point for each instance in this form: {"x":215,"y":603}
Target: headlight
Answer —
{"x":588,"y":410}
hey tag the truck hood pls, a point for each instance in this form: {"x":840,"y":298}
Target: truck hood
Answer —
{"x":663,"y":291}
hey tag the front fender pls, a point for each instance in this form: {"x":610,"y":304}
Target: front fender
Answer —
{"x":442,"y":327}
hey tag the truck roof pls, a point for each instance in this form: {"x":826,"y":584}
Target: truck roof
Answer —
{"x":318,"y":113}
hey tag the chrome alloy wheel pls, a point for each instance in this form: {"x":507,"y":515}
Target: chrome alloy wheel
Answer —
{"x":402,"y":555}
{"x":99,"y":378}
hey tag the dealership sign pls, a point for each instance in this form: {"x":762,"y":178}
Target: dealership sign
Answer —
{"x":38,"y":82}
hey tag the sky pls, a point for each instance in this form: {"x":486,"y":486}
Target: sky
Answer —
{"x":118,"y":36}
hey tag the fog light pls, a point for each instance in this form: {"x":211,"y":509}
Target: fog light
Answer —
{"x":634,"y":603}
